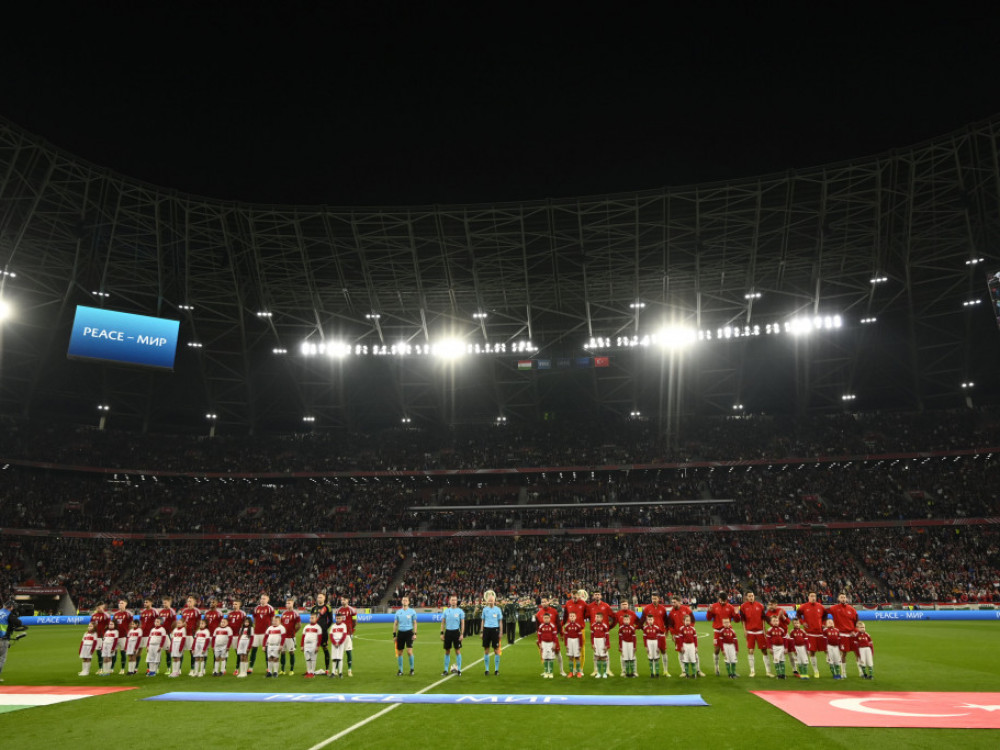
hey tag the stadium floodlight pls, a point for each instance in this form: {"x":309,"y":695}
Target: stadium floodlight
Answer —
{"x":5,"y":309}
{"x":195,"y":344}
{"x":406,"y":420}
{"x":279,"y":350}
{"x":968,"y":385}
{"x":867,"y":321}
{"x":9,"y":274}
{"x":803,"y":326}
{"x":448,"y":349}
{"x":185,"y":307}
{"x":100,"y":294}
{"x":848,"y":397}
{"x":308,"y":419}
{"x":373,"y":316}
{"x":211,"y":417}
{"x":751,"y":295}
{"x":264,"y":314}
{"x":638,"y":305}
{"x":635,"y":414}
{"x":335,"y":349}
{"x":480,"y":315}
{"x":501,"y":420}
{"x":879,"y":279}
{"x":737,"y":407}
{"x":974,"y":261}
{"x":676,"y":337}
{"x":103,"y":407}
{"x":971,"y":302}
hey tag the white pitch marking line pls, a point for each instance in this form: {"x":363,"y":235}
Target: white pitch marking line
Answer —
{"x":386,"y":710}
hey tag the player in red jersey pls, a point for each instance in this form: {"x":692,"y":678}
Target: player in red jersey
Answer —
{"x":191,"y":617}
{"x":674,"y":622}
{"x":600,"y":641}
{"x":866,"y":652}
{"x":147,"y":619}
{"x":833,"y":658}
{"x":577,"y":603}
{"x":101,"y":620}
{"x":213,"y":616}
{"x":548,"y":607}
{"x":652,"y":636}
{"x":656,"y":612}
{"x":573,"y":638}
{"x":608,"y":617}
{"x":263,"y":613}
{"x":716,"y":613}
{"x":547,"y":639}
{"x":845,"y":619}
{"x":290,"y":621}
{"x":752,"y":617}
{"x":812,"y":614}
{"x":688,"y":638}
{"x":776,"y":643}
{"x":122,"y":619}
{"x":619,"y":616}
{"x":627,"y":643}
{"x":730,"y":647}
{"x":773,"y":610}
{"x":350,"y":620}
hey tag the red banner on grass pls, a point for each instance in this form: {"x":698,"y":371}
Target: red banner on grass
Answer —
{"x":912,"y":710}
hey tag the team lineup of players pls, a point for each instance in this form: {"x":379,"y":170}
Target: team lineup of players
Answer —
{"x":561,"y":635}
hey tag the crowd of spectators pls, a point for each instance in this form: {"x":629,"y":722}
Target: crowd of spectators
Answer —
{"x":570,"y":441}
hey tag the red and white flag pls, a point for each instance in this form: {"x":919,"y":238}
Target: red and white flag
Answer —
{"x":867,"y":709}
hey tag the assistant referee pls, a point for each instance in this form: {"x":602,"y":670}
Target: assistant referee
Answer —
{"x":492,"y":630}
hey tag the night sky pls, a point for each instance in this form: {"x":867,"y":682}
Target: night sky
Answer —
{"x":412,"y":104}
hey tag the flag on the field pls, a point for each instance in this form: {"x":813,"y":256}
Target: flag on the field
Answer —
{"x":865,"y":709}
{"x":16,"y":697}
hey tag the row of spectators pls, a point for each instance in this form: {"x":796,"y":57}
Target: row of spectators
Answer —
{"x":570,"y":441}
{"x":906,"y":564}
{"x":917,"y":489}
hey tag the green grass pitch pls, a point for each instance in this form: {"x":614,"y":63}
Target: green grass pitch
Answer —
{"x":914,"y":656}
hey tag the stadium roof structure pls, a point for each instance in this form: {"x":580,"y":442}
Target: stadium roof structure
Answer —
{"x":903,"y":241}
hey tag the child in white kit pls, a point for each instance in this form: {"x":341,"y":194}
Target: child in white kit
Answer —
{"x":108,"y":649}
{"x":87,"y":648}
{"x":221,"y":639}
{"x":132,"y":641}
{"x":155,"y":643}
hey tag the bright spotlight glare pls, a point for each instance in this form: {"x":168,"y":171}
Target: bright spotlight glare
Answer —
{"x":676,"y":337}
{"x":5,"y":310}
{"x":448,"y":349}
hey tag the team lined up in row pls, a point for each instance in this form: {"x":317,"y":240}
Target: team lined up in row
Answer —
{"x":165,"y":631}
{"x":834,"y":631}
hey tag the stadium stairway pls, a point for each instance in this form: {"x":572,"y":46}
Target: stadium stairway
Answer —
{"x":390,"y":590}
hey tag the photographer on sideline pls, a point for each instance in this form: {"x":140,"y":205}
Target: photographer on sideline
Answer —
{"x":9,"y":623}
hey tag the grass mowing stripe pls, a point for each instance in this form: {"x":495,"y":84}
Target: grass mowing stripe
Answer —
{"x":387,"y":709}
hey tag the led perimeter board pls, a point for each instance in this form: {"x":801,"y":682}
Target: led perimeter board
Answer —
{"x":123,"y":338}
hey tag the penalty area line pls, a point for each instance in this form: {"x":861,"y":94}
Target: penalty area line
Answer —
{"x":387,"y":709}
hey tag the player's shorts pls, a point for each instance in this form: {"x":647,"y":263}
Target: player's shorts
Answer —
{"x":349,"y":643}
{"x":452,"y":640}
{"x":777,"y":653}
{"x":221,"y":652}
{"x":716,"y":643}
{"x":122,"y":643}
{"x":108,"y":648}
{"x":816,"y":642}
{"x":600,"y":648}
{"x":628,"y":651}
{"x":801,"y":655}
{"x":188,"y":642}
{"x":491,"y":638}
{"x":200,"y":653}
{"x":310,"y":649}
{"x":153,"y":654}
{"x":242,"y":648}
{"x":689,"y":654}
{"x":177,"y":650}
{"x":833,"y":654}
{"x":653,"y":649}
{"x":87,"y":651}
{"x":865,"y":656}
{"x":756,"y":639}
{"x":288,"y":645}
{"x":548,"y":650}
{"x":661,"y":643}
{"x":849,"y":642}
{"x":404,"y":639}
{"x":573,"y":647}
{"x":258,"y":640}
{"x":729,"y":651}
{"x":273,"y":650}
{"x":144,"y":641}
{"x":337,"y":652}
{"x":133,"y":651}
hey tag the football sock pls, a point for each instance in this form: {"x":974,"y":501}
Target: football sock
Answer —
{"x":715,"y":658}
{"x":447,"y":661}
{"x":253,"y":656}
{"x":291,"y":662}
{"x":282,"y":662}
{"x":815,"y":663}
{"x":411,"y":662}
{"x":399,"y":662}
{"x":326,"y":657}
{"x":458,"y":661}
{"x":496,"y":662}
{"x":350,"y":659}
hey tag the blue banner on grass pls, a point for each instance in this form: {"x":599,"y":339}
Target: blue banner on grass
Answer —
{"x":455,"y":699}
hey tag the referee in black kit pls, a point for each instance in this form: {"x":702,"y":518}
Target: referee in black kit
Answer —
{"x":322,"y":615}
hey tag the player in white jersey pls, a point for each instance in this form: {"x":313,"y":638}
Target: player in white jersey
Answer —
{"x":133,"y":640}
{"x":338,"y":644}
{"x":243,"y":644}
{"x":312,"y":634}
{"x":108,"y":649}
{"x":156,"y":641}
{"x":222,"y":638}
{"x":199,"y":649}
{"x":87,"y":648}
{"x":178,"y":645}
{"x":274,"y":637}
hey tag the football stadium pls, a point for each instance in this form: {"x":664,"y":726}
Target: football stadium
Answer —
{"x":712,"y":463}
